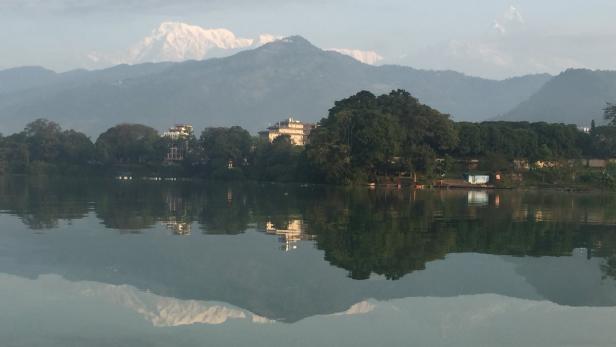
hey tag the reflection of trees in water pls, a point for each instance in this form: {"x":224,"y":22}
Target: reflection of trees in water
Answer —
{"x":603,"y":245}
{"x":130,"y":206}
{"x":40,"y":207}
{"x":369,"y":233}
{"x":391,"y":236}
{"x":223,"y":210}
{"x":385,"y":232}
{"x":609,"y":267}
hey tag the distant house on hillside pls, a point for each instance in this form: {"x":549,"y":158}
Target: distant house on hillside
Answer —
{"x":179,"y":136}
{"x":598,"y":163}
{"x":546,"y":164}
{"x":179,"y":131}
{"x":477,"y":179}
{"x":521,"y":165}
{"x":297,"y":131}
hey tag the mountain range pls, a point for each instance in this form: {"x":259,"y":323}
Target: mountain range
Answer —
{"x":576,"y":96}
{"x":256,"y":87}
{"x":177,"y":41}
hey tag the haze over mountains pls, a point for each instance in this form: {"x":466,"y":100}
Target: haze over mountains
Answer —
{"x":257,"y":87}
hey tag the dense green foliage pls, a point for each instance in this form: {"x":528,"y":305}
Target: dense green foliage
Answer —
{"x":610,"y":113}
{"x":42,"y":147}
{"x":225,"y":151}
{"x":366,"y":136}
{"x":278,"y":161}
{"x":510,"y":140}
{"x":363,"y":139}
{"x":131,"y":144}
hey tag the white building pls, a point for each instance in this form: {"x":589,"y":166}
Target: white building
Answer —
{"x":179,"y":136}
{"x":297,"y":131}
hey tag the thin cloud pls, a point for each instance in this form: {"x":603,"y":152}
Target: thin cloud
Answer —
{"x":512,"y":19}
{"x":515,"y":50}
{"x":366,"y":57}
{"x":102,"y":6}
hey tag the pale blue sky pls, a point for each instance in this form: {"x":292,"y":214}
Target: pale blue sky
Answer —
{"x":543,"y":36}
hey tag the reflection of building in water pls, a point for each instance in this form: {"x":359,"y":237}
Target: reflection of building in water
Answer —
{"x":535,"y":214}
{"x":177,"y":220}
{"x":573,"y":214}
{"x":178,"y":227}
{"x":596,"y":217}
{"x":478,"y":198}
{"x":290,"y":234}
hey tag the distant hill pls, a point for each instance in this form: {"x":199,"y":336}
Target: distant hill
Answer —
{"x":252,"y":88}
{"x":23,"y":78}
{"x":573,"y":97}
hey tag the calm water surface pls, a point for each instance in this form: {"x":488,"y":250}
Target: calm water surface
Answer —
{"x":109,"y":263}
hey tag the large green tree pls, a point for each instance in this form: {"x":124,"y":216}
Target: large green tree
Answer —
{"x":131,"y":144}
{"x":520,"y":140}
{"x":76,"y":148}
{"x":610,"y":113}
{"x":43,"y":147}
{"x":366,"y":136}
{"x":224,"y":146}
{"x":604,"y":142}
{"x":44,"y":139}
{"x":469,"y":135}
{"x":277,"y":161}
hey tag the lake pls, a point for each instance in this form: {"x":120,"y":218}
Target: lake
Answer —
{"x":150,"y":263}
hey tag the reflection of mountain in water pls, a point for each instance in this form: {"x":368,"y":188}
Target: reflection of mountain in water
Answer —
{"x":95,"y":314}
{"x":582,"y":284}
{"x":162,"y":311}
{"x":428,"y":241}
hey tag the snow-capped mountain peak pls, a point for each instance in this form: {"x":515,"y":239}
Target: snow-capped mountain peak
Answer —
{"x":174,"y":41}
{"x":173,"y":32}
{"x":177,"y":41}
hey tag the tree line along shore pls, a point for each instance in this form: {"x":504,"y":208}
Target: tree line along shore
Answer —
{"x":365,"y":139}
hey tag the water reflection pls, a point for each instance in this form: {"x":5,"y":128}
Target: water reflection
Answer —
{"x":399,"y":231}
{"x":158,"y":310}
{"x":290,"y":232}
{"x":480,"y":198}
{"x":442,"y":243}
{"x":178,"y":219}
{"x":67,"y":313}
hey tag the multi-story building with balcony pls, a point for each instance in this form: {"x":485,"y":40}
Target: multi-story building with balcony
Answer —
{"x":297,"y":131}
{"x":179,"y":136}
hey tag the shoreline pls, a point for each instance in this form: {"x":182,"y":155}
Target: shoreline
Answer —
{"x":575,"y":188}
